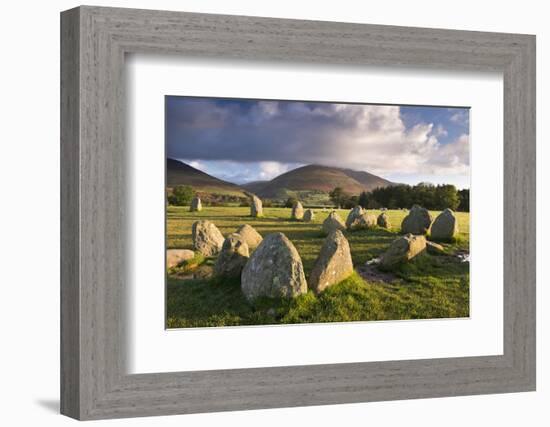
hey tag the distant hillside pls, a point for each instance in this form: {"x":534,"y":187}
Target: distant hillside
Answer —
{"x":254,"y":186}
{"x":367,"y":180}
{"x":318,"y":178}
{"x":179,"y":173}
{"x":311,"y":183}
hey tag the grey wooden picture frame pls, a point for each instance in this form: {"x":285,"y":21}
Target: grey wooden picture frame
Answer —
{"x":94,"y":381}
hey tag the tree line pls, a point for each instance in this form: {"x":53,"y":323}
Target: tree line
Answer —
{"x":182,"y":195}
{"x":432,"y":197}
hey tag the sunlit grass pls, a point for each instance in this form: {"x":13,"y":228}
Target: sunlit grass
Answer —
{"x":429,"y":287}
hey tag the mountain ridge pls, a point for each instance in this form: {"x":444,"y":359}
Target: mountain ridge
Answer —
{"x":309,"y":178}
{"x":319,"y":178}
{"x":180,"y":173}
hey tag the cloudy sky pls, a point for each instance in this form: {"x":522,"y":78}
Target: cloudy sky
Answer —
{"x":247,"y":140}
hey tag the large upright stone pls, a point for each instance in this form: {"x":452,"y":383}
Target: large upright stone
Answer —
{"x":274,"y":270}
{"x":175,"y":257}
{"x":250,"y":236}
{"x":309,"y":215}
{"x":333,"y":222}
{"x":207,"y":239}
{"x":353,"y":215}
{"x":297,"y":211}
{"x":418,"y":221}
{"x":333,"y":264}
{"x":403,"y":249}
{"x":364,"y":221}
{"x":232,"y":257}
{"x":256,"y":208}
{"x":196,"y":204}
{"x":383,"y":220}
{"x":445,"y":226}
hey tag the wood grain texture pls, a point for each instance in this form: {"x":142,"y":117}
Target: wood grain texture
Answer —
{"x":70,"y":263}
{"x":94,"y":382}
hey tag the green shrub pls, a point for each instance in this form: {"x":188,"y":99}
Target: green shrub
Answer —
{"x":181,"y":195}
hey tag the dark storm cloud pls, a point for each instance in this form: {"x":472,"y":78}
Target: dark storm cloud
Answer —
{"x":250,"y":131}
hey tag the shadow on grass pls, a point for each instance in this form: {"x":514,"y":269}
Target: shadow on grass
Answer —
{"x":193,"y":303}
{"x":429,"y":287}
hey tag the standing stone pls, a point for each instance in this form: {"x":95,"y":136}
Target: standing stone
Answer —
{"x":207,"y":239}
{"x":418,"y":221}
{"x":333,"y":264}
{"x":364,"y":221}
{"x":445,"y":226}
{"x":256,"y":209}
{"x":353,"y":215}
{"x":332,"y":223}
{"x":274,"y":270}
{"x":297,"y":211}
{"x":232,"y":258}
{"x":383,"y":220}
{"x":403,"y":249}
{"x":196,"y":205}
{"x":250,"y":236}
{"x":309,"y":215}
{"x":175,"y":257}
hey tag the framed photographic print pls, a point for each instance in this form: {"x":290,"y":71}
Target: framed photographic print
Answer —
{"x":262,"y":213}
{"x":299,"y":174}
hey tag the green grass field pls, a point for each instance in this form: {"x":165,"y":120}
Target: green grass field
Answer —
{"x":428,"y":287}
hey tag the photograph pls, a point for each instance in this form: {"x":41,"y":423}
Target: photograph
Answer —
{"x":307,"y":212}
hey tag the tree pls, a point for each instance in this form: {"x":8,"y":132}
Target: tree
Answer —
{"x":338,"y":196}
{"x":446,"y":196}
{"x":404,"y":196}
{"x":181,"y":195}
{"x":349,"y":202}
{"x":424,"y":195}
{"x":290,"y":202}
{"x":464,"y":196}
{"x":363,"y":199}
{"x":373,"y":204}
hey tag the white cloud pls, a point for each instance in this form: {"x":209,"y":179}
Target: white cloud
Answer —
{"x":373,"y":138}
{"x":269,"y":170}
{"x":380,"y":143}
{"x":196,"y":164}
{"x":460,"y":117}
{"x":452,"y":158}
{"x":268,"y":109}
{"x":241,"y":172}
{"x":440,"y":131}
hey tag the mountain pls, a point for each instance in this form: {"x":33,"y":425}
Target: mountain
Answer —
{"x":310,"y":183}
{"x":368,"y":180}
{"x":254,"y":186}
{"x":179,"y":173}
{"x":318,"y":178}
